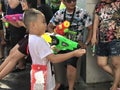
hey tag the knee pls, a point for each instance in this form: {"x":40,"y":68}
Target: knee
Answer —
{"x":116,"y":65}
{"x":12,"y":54}
{"x":102,"y":65}
{"x":71,"y":69}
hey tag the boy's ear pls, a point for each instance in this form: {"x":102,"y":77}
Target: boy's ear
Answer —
{"x":32,"y":24}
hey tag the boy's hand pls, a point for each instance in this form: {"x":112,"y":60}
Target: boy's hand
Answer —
{"x":55,"y":49}
{"x":79,"y":52}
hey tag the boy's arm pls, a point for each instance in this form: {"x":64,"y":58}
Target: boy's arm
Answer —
{"x":62,"y":57}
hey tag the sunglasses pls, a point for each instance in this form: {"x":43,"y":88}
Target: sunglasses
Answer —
{"x":69,"y":1}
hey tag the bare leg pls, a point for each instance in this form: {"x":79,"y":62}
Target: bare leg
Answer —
{"x":60,"y":78}
{"x":103,"y":63}
{"x":1,"y":51}
{"x":9,"y":57}
{"x":116,"y":69}
{"x":10,"y":61}
{"x":71,"y":76}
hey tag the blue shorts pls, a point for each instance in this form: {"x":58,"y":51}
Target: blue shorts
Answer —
{"x":108,"y":49}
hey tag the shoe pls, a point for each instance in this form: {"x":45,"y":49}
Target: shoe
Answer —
{"x":18,"y":70}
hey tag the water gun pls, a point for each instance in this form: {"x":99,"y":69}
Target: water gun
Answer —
{"x":63,"y":28}
{"x":14,"y":17}
{"x":60,"y":42}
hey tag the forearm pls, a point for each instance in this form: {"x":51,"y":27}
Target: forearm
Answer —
{"x":95,"y":26}
{"x":89,"y":36}
{"x":61,"y":57}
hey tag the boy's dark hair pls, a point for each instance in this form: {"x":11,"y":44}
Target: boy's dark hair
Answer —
{"x":32,"y":3}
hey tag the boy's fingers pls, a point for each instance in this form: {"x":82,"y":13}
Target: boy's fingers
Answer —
{"x":83,"y":50}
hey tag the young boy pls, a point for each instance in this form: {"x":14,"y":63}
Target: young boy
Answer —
{"x":18,"y":51}
{"x":41,"y":52}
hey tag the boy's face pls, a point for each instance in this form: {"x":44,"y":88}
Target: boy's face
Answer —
{"x":70,"y":4}
{"x":40,"y":24}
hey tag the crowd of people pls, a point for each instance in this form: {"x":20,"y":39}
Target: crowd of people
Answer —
{"x":40,"y":16}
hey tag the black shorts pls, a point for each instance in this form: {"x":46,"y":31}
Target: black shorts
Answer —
{"x":16,"y":34}
{"x":72,"y":61}
{"x":108,"y":49}
{"x":23,"y":45}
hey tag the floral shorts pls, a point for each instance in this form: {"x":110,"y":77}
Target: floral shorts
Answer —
{"x":108,"y":48}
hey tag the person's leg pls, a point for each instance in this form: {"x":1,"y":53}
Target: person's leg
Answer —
{"x":71,"y":76}
{"x":116,"y":70}
{"x":10,"y":61}
{"x":102,"y":61}
{"x":60,"y":75}
{"x":12,"y":52}
{"x":21,"y":65}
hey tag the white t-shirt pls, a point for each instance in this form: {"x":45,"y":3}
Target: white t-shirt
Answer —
{"x":39,"y":49}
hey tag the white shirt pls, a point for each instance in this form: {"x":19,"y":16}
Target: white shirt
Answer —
{"x":39,"y":49}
